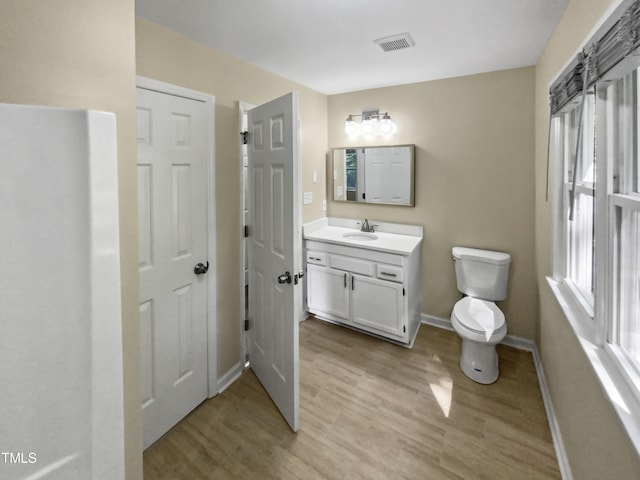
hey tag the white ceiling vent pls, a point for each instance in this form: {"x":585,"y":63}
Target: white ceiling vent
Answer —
{"x":395,"y":42}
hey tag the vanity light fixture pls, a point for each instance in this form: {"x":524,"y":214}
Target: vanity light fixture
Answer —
{"x":372,"y":123}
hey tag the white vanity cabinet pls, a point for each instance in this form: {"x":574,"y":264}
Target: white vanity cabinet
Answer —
{"x":365,"y":288}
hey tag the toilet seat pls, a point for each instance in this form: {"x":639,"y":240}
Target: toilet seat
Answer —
{"x":479,"y":316}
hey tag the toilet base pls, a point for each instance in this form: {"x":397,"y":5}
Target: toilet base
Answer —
{"x":479,"y":361}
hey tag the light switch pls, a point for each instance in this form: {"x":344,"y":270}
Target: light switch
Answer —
{"x":314,"y":176}
{"x":324,"y":205}
{"x":308,"y":198}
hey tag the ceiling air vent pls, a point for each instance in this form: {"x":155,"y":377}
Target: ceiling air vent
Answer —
{"x":395,"y":42}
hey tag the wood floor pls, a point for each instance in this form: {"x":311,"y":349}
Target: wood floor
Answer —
{"x":369,"y":410}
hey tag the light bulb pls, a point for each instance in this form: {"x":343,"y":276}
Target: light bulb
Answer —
{"x":367,"y":126}
{"x":387,"y":127}
{"x":349,"y":126}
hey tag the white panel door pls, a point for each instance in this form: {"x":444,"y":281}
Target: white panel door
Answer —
{"x":274,"y":249}
{"x":172,"y":212}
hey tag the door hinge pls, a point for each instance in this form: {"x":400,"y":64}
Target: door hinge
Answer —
{"x":364,"y":196}
{"x":246,"y":231}
{"x":245,"y":137}
{"x":404,"y":329}
{"x":246,"y":325}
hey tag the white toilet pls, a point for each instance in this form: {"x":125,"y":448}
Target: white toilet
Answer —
{"x":482,"y":276}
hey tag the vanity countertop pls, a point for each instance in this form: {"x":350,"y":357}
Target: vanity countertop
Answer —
{"x":390,"y":242}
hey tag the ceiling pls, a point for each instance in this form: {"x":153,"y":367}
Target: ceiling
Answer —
{"x":328,"y":45}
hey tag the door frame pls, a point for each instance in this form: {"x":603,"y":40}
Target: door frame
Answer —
{"x":243,"y":109}
{"x":212,"y":317}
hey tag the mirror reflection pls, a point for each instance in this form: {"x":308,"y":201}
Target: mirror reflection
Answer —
{"x":374,"y":174}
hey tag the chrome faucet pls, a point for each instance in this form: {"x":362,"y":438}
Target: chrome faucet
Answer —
{"x":366,"y":227}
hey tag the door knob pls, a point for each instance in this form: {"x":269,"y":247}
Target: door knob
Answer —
{"x":201,"y":269}
{"x":285,"y":278}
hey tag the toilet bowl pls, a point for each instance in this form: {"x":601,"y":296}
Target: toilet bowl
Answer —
{"x":481,"y":325}
{"x":482,"y":276}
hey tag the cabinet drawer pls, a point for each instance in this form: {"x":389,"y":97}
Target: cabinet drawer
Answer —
{"x":353,"y":265}
{"x":317,"y":258}
{"x":389,"y":272}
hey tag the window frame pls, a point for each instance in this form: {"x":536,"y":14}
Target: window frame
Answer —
{"x":562,"y":151}
{"x":617,"y":152}
{"x":580,"y":188}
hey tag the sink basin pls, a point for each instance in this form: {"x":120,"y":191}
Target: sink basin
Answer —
{"x":362,"y":236}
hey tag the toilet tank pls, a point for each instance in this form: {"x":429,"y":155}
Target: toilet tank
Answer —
{"x":482,"y":273}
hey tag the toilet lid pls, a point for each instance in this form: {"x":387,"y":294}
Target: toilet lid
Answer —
{"x":478,"y":315}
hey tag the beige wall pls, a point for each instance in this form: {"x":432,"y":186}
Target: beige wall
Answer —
{"x":474,"y":171}
{"x":172,"y":58}
{"x":79,"y":54}
{"x":596,"y":445}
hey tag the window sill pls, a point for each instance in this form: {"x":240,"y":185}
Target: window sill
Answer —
{"x":616,"y":389}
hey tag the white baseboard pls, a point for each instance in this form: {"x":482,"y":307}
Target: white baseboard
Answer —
{"x":563,"y":461}
{"x":443,"y":323}
{"x":231,"y":376}
{"x":530,"y":346}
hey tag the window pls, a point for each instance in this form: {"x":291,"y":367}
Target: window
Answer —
{"x":578,"y":218}
{"x":598,"y":243}
{"x":623,"y":204}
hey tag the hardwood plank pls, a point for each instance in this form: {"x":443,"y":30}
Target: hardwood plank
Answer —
{"x":369,"y":410}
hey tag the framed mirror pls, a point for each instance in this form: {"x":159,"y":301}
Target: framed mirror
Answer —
{"x":383,"y":174}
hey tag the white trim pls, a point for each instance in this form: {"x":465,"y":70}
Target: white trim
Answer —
{"x":243,"y":108}
{"x":212,"y":314}
{"x":299,"y":310}
{"x":529,"y":346}
{"x":439,"y":322}
{"x":630,"y":202}
{"x":557,"y":191}
{"x":520,"y":343}
{"x":226,"y":380}
{"x":558,"y":443}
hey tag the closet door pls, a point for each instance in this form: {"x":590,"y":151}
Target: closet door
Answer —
{"x":173,"y":237}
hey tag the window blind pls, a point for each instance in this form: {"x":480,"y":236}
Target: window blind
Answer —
{"x":602,"y":54}
{"x":568,"y":86}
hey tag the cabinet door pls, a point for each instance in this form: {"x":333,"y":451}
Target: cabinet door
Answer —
{"x":377,"y":305}
{"x":327,"y":291}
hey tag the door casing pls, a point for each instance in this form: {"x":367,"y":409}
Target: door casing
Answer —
{"x":243,"y":108}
